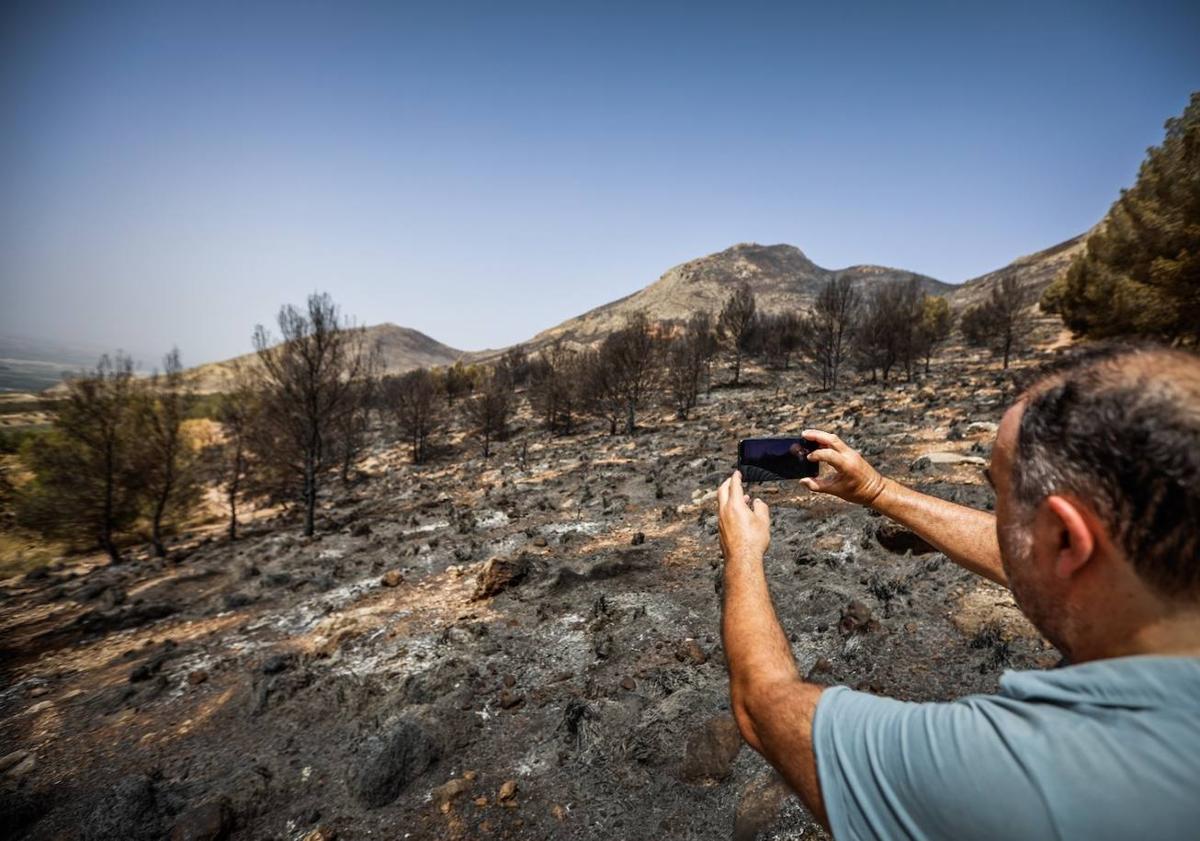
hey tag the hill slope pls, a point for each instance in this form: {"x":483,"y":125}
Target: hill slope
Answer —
{"x":402,"y":349}
{"x":781,"y":276}
{"x":1035,"y":271}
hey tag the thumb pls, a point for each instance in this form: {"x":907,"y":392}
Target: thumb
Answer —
{"x":811,"y":484}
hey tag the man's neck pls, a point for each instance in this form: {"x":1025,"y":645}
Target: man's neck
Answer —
{"x":1173,"y":633}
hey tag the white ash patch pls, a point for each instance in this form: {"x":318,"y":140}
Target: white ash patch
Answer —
{"x":589,"y":527}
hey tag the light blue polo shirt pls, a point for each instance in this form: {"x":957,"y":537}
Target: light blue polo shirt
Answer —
{"x":1103,"y":750}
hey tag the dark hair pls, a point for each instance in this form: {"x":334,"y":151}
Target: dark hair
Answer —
{"x":1119,"y":428}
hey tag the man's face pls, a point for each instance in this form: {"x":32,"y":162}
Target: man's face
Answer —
{"x":1026,"y":551}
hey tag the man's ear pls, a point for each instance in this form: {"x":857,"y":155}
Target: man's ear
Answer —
{"x":1078,"y":542}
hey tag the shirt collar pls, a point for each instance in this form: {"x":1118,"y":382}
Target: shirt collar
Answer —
{"x":1144,"y":681}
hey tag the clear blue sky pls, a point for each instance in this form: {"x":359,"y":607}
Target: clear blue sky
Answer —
{"x":172,"y":173}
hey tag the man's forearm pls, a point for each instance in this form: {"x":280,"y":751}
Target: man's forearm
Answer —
{"x":756,"y":649}
{"x":965,"y":535}
{"x":774,"y":708}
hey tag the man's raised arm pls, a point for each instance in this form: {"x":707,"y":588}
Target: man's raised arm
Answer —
{"x":773,"y":707}
{"x":965,"y":535}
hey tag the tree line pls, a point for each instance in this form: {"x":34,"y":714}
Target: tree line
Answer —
{"x":120,"y":460}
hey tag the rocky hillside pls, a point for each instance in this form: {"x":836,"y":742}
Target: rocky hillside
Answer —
{"x":516,"y":648}
{"x":1035,"y":271}
{"x":781,"y":276}
{"x":402,"y":349}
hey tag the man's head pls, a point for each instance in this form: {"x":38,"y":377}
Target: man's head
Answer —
{"x":1097,"y":475}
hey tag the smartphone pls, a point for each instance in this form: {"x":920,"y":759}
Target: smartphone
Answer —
{"x":776,"y":459}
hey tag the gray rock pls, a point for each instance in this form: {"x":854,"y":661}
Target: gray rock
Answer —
{"x":129,"y":810}
{"x":896,"y":538}
{"x":391,"y":761}
{"x":211,"y":821}
{"x":710,"y":752}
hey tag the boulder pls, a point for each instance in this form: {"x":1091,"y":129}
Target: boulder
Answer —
{"x":500,"y":573}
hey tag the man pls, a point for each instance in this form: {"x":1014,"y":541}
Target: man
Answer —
{"x":1096,"y":469}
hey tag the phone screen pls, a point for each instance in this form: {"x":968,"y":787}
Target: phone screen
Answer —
{"x":775,"y":459}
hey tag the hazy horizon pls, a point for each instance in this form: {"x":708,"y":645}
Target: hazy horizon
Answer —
{"x":172,"y":175}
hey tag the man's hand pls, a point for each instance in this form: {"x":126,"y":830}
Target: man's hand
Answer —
{"x":853,"y":480}
{"x":745,"y":526}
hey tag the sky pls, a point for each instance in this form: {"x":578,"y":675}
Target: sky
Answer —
{"x":171,"y":173}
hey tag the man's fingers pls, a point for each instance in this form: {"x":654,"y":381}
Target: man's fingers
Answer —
{"x":746,"y":498}
{"x":735,"y":484}
{"x":760,"y":509}
{"x":833,"y":458}
{"x":827,"y":438}
{"x":811,"y":484}
{"x":723,"y":494}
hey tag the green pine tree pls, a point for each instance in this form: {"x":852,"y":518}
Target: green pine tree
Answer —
{"x":1140,"y":271}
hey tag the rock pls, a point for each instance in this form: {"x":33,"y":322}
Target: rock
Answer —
{"x":711,"y":751}
{"x":321,"y":833}
{"x":235,"y":600}
{"x":983,"y":426}
{"x":507,"y":796}
{"x":277,"y":663}
{"x":759,"y":806}
{"x":896,"y":538}
{"x":628,"y":684}
{"x":690,"y":651}
{"x":211,"y":821}
{"x":539,"y":541}
{"x":638,"y":539}
{"x":197,"y":677}
{"x":929,"y":460}
{"x":856,"y":618}
{"x":37,"y":574}
{"x":130,"y":810}
{"x":448,"y":791}
{"x":498,"y":574}
{"x":392,"y":578}
{"x":390,"y":762}
{"x":361,"y":529}
{"x":21,"y":768}
{"x":10,"y":760}
{"x":510,"y":699}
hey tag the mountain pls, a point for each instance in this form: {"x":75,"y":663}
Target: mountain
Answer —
{"x":782,"y":278}
{"x":1035,"y":271}
{"x":401,"y":348}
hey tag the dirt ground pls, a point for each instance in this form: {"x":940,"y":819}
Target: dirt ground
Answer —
{"x":523,"y":648}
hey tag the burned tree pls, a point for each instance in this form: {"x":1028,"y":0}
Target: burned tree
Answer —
{"x":737,"y":325}
{"x":554,"y":386}
{"x":352,"y":425}
{"x":827,"y":332}
{"x":415,"y":404}
{"x":935,"y":326}
{"x":886,"y":334}
{"x":87,"y":478}
{"x":601,"y":392}
{"x":778,"y":338}
{"x":487,"y":412}
{"x":168,"y":458}
{"x":632,"y":352}
{"x":1002,"y":322}
{"x":307,"y":381}
{"x":686,"y":362}
{"x":238,"y":415}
